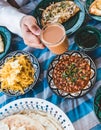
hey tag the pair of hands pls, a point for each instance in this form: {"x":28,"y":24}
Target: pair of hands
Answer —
{"x":31,"y":32}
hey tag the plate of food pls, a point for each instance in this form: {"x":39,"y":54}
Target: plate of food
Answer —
{"x":33,"y":113}
{"x":93,"y":8}
{"x":72,"y":74}
{"x":19,"y":72}
{"x":5,"y":41}
{"x":69,"y":13}
{"x":97,"y":103}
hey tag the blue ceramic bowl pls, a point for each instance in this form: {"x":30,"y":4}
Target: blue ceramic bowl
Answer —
{"x":88,"y":38}
{"x":87,"y":5}
{"x":6,"y":36}
{"x":35,"y":64}
{"x":97,"y":103}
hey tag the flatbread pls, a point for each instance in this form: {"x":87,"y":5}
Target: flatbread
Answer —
{"x":95,"y":8}
{"x":59,"y":12}
{"x":1,"y":45}
{"x":21,"y":122}
{"x":30,"y":120}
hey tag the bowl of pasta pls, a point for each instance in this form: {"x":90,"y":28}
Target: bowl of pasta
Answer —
{"x":19,"y":72}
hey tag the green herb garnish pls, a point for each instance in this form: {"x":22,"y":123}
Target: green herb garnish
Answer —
{"x":70,"y":72}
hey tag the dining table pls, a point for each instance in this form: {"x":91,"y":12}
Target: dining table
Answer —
{"x":80,"y":110}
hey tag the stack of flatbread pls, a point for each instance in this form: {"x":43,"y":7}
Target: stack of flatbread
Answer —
{"x":35,"y":120}
{"x":95,"y":8}
{"x":59,"y":12}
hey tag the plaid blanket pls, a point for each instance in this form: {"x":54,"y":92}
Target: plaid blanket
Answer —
{"x":80,"y":110}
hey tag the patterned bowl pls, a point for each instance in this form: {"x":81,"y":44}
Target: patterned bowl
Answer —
{"x":78,"y":93}
{"x":20,"y":105}
{"x":35,"y":64}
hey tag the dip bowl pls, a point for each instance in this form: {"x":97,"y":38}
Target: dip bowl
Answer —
{"x":97,"y":103}
{"x":88,"y":38}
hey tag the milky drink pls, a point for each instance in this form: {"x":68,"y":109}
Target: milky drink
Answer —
{"x":54,"y":37}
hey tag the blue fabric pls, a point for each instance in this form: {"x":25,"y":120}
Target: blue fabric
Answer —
{"x":78,"y":110}
{"x":98,"y":127}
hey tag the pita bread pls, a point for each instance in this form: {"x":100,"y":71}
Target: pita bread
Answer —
{"x":1,"y":45}
{"x":16,"y":122}
{"x":95,"y":8}
{"x":27,"y":120}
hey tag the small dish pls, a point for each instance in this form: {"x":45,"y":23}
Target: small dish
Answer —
{"x":31,"y":104}
{"x":71,"y":25}
{"x":88,"y":38}
{"x":6,"y":36}
{"x":87,"y":5}
{"x":97,"y":103}
{"x":78,"y":92}
{"x":34,"y":64}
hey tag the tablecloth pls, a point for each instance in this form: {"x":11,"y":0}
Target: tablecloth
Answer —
{"x":80,"y":111}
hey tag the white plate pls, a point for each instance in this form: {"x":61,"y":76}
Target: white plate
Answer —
{"x":36,"y":104}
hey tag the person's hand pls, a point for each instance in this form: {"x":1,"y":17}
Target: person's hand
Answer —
{"x":31,"y":32}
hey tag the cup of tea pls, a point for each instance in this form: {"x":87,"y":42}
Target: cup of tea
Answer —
{"x":88,"y":38}
{"x":53,"y":36}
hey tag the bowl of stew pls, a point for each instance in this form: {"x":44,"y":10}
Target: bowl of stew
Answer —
{"x":72,"y":74}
